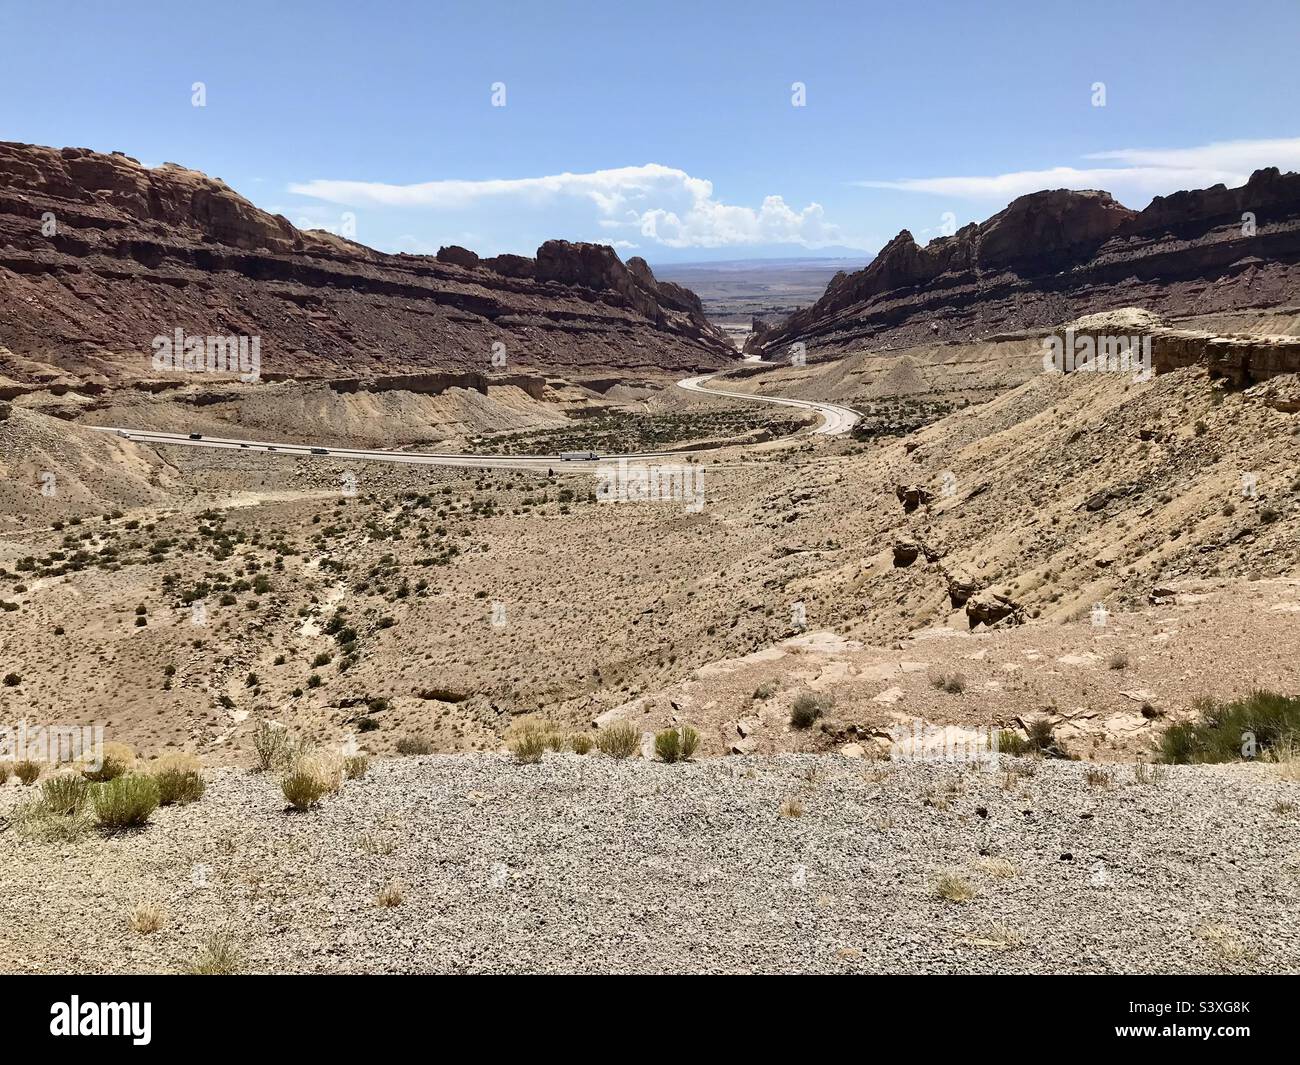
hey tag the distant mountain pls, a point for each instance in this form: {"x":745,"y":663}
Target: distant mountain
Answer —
{"x":1053,"y":256}
{"x":751,"y":253}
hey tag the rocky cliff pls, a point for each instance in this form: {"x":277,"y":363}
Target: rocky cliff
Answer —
{"x":1053,"y":256}
{"x":99,"y":255}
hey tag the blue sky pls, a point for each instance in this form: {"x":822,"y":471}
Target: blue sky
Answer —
{"x":666,"y":129}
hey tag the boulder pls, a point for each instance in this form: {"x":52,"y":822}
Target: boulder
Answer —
{"x":905,"y":552}
{"x":991,"y":608}
{"x":912,"y":496}
{"x":455,"y":255}
{"x":961,"y":586}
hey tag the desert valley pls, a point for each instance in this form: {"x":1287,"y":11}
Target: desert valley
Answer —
{"x":699,"y":592}
{"x":1050,"y":570}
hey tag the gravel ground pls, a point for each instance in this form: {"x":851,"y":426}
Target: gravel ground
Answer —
{"x":593,"y":865}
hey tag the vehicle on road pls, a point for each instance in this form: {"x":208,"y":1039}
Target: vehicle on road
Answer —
{"x":578,"y":456}
{"x":244,"y":446}
{"x":196,"y":436}
{"x":319,"y":451}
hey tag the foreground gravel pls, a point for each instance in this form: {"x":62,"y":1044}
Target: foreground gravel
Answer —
{"x":593,"y":865}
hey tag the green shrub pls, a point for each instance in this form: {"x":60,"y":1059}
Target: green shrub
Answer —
{"x":65,"y":794}
{"x":952,"y":683}
{"x":179,"y":786}
{"x":690,"y":742}
{"x":414,"y":745}
{"x":1221,"y":731}
{"x":126,"y":802}
{"x":27,"y":771}
{"x":806,"y":709}
{"x":115,"y":760}
{"x":1011,"y":742}
{"x":668,"y":745}
{"x":1042,"y":739}
{"x":676,"y":745}
{"x":619,"y":740}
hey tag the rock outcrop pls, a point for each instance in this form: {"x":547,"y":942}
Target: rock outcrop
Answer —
{"x":1053,"y":256}
{"x":1130,"y":339}
{"x":99,"y":255}
{"x":991,"y":608}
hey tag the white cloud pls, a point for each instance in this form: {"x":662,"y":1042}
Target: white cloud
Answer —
{"x":657,"y":202}
{"x":1146,"y":172}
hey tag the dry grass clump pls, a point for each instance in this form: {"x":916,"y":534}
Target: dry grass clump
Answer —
{"x":180,"y":778}
{"x":27,"y":771}
{"x":997,"y":936}
{"x":1096,"y":777}
{"x":1148,"y":773}
{"x":272,"y":744}
{"x":411,"y":745}
{"x":1118,"y":660}
{"x":311,"y":777}
{"x":355,"y":766}
{"x":146,"y":918}
{"x":954,"y":888}
{"x":620,"y":740}
{"x":792,"y":807}
{"x":998,"y":868}
{"x":1223,"y":943}
{"x":5,"y":769}
{"x":303,"y":789}
{"x":65,"y":794}
{"x":676,"y":745}
{"x":116,"y":759}
{"x":61,"y":814}
{"x":952,"y":683}
{"x":528,"y":742}
{"x":390,"y":895}
{"x":581,"y":743}
{"x":217,"y":957}
{"x":1285,"y":755}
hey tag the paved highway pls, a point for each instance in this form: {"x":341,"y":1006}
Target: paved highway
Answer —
{"x":835,"y":420}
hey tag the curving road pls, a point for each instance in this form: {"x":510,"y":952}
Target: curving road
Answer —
{"x":836,"y":420}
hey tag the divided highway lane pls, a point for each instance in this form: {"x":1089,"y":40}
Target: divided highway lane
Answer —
{"x":835,"y":420}
{"x":491,"y":462}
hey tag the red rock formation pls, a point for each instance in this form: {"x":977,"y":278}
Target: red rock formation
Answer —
{"x":1053,"y":256}
{"x":135,"y":253}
